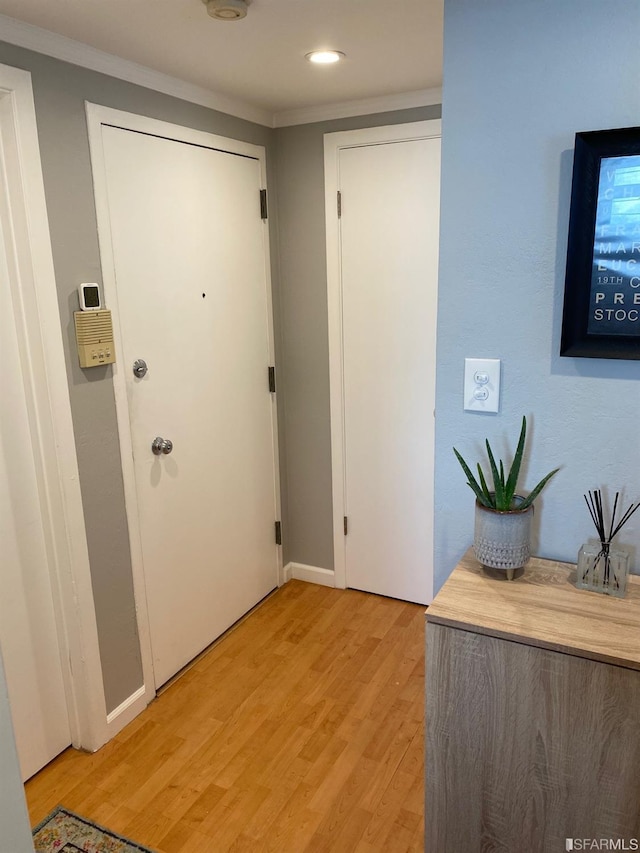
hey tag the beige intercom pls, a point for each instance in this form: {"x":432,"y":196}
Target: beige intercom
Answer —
{"x":94,"y":336}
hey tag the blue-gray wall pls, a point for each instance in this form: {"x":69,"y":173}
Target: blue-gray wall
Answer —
{"x":520,"y":79}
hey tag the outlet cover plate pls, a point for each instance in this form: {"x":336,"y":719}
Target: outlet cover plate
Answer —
{"x":482,"y":384}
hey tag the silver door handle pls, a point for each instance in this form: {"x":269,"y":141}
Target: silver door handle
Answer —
{"x":161,"y":445}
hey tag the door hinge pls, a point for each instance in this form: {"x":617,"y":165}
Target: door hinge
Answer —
{"x":278,"y":533}
{"x":263,"y":204}
{"x":346,"y":526}
{"x":339,"y":204}
{"x":272,"y":380}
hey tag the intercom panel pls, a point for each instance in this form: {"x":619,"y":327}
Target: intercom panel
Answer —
{"x":94,"y":336}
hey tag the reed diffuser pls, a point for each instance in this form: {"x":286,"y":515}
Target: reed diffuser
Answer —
{"x":602,"y":568}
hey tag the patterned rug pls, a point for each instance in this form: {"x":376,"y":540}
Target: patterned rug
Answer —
{"x":65,"y":832}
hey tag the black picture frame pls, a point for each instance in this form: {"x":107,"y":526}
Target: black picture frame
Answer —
{"x":601,"y":315}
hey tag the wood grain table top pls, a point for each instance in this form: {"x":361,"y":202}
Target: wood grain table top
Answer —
{"x":542,"y":607}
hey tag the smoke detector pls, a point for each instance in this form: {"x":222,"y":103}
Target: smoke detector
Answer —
{"x":226,"y":10}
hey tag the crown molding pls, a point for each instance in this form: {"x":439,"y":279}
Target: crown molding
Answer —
{"x":68,"y":50}
{"x":367,"y":106}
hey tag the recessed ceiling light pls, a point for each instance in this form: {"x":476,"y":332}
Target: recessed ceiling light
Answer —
{"x":325,"y":57}
{"x":226,"y":10}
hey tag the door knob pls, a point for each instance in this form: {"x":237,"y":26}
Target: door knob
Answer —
{"x":161,"y":445}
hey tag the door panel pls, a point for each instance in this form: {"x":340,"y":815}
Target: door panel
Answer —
{"x":189,"y":257}
{"x":389,"y":268}
{"x":28,"y":635}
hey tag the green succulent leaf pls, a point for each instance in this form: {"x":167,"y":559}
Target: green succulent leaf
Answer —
{"x":534,"y":494}
{"x":497,"y":482}
{"x":490,"y":499}
{"x":471,"y":480}
{"x":504,"y":490}
{"x":514,"y":473}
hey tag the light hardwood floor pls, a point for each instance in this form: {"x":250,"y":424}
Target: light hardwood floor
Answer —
{"x":301,"y":730}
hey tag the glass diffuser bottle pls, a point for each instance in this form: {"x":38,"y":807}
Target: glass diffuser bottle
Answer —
{"x":601,"y":567}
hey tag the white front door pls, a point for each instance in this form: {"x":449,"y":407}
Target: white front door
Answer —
{"x":28,"y":637}
{"x":189,"y":256}
{"x":388,"y":239}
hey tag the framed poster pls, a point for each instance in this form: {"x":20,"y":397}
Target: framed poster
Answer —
{"x":601,"y":317}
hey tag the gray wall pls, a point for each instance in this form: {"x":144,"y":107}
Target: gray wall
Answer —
{"x":15,"y":834}
{"x":519,"y":80}
{"x":60,"y":92}
{"x":303,"y":294}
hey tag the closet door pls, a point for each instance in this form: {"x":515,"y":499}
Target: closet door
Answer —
{"x":389,"y":268}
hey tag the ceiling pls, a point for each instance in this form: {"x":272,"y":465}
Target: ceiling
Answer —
{"x":392,"y":47}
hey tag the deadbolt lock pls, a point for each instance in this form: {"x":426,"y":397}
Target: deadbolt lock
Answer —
{"x":140,"y":368}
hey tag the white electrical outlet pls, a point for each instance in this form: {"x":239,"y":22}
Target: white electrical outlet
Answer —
{"x":482,"y":384}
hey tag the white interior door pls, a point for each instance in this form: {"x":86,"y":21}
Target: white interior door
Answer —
{"x":188,"y":247}
{"x":389,"y":269}
{"x":28,"y":637}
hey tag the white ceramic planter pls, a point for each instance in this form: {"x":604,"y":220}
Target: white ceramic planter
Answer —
{"x":502,"y":539}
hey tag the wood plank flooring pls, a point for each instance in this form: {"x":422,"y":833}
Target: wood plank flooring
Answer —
{"x":301,"y":730}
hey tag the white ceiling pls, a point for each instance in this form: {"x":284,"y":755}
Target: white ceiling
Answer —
{"x":393,"y":47}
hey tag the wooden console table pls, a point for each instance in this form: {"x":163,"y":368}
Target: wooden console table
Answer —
{"x":532,"y":712}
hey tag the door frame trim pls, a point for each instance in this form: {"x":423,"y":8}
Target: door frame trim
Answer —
{"x":97,"y":116}
{"x":39,"y":329}
{"x":333,"y":144}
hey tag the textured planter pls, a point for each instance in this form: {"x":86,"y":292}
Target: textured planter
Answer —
{"x":502,"y":539}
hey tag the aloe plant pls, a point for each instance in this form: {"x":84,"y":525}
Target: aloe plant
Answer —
{"x":504,"y":488}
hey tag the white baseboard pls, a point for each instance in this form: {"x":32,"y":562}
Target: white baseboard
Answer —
{"x":127,"y":711}
{"x":310,"y":574}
